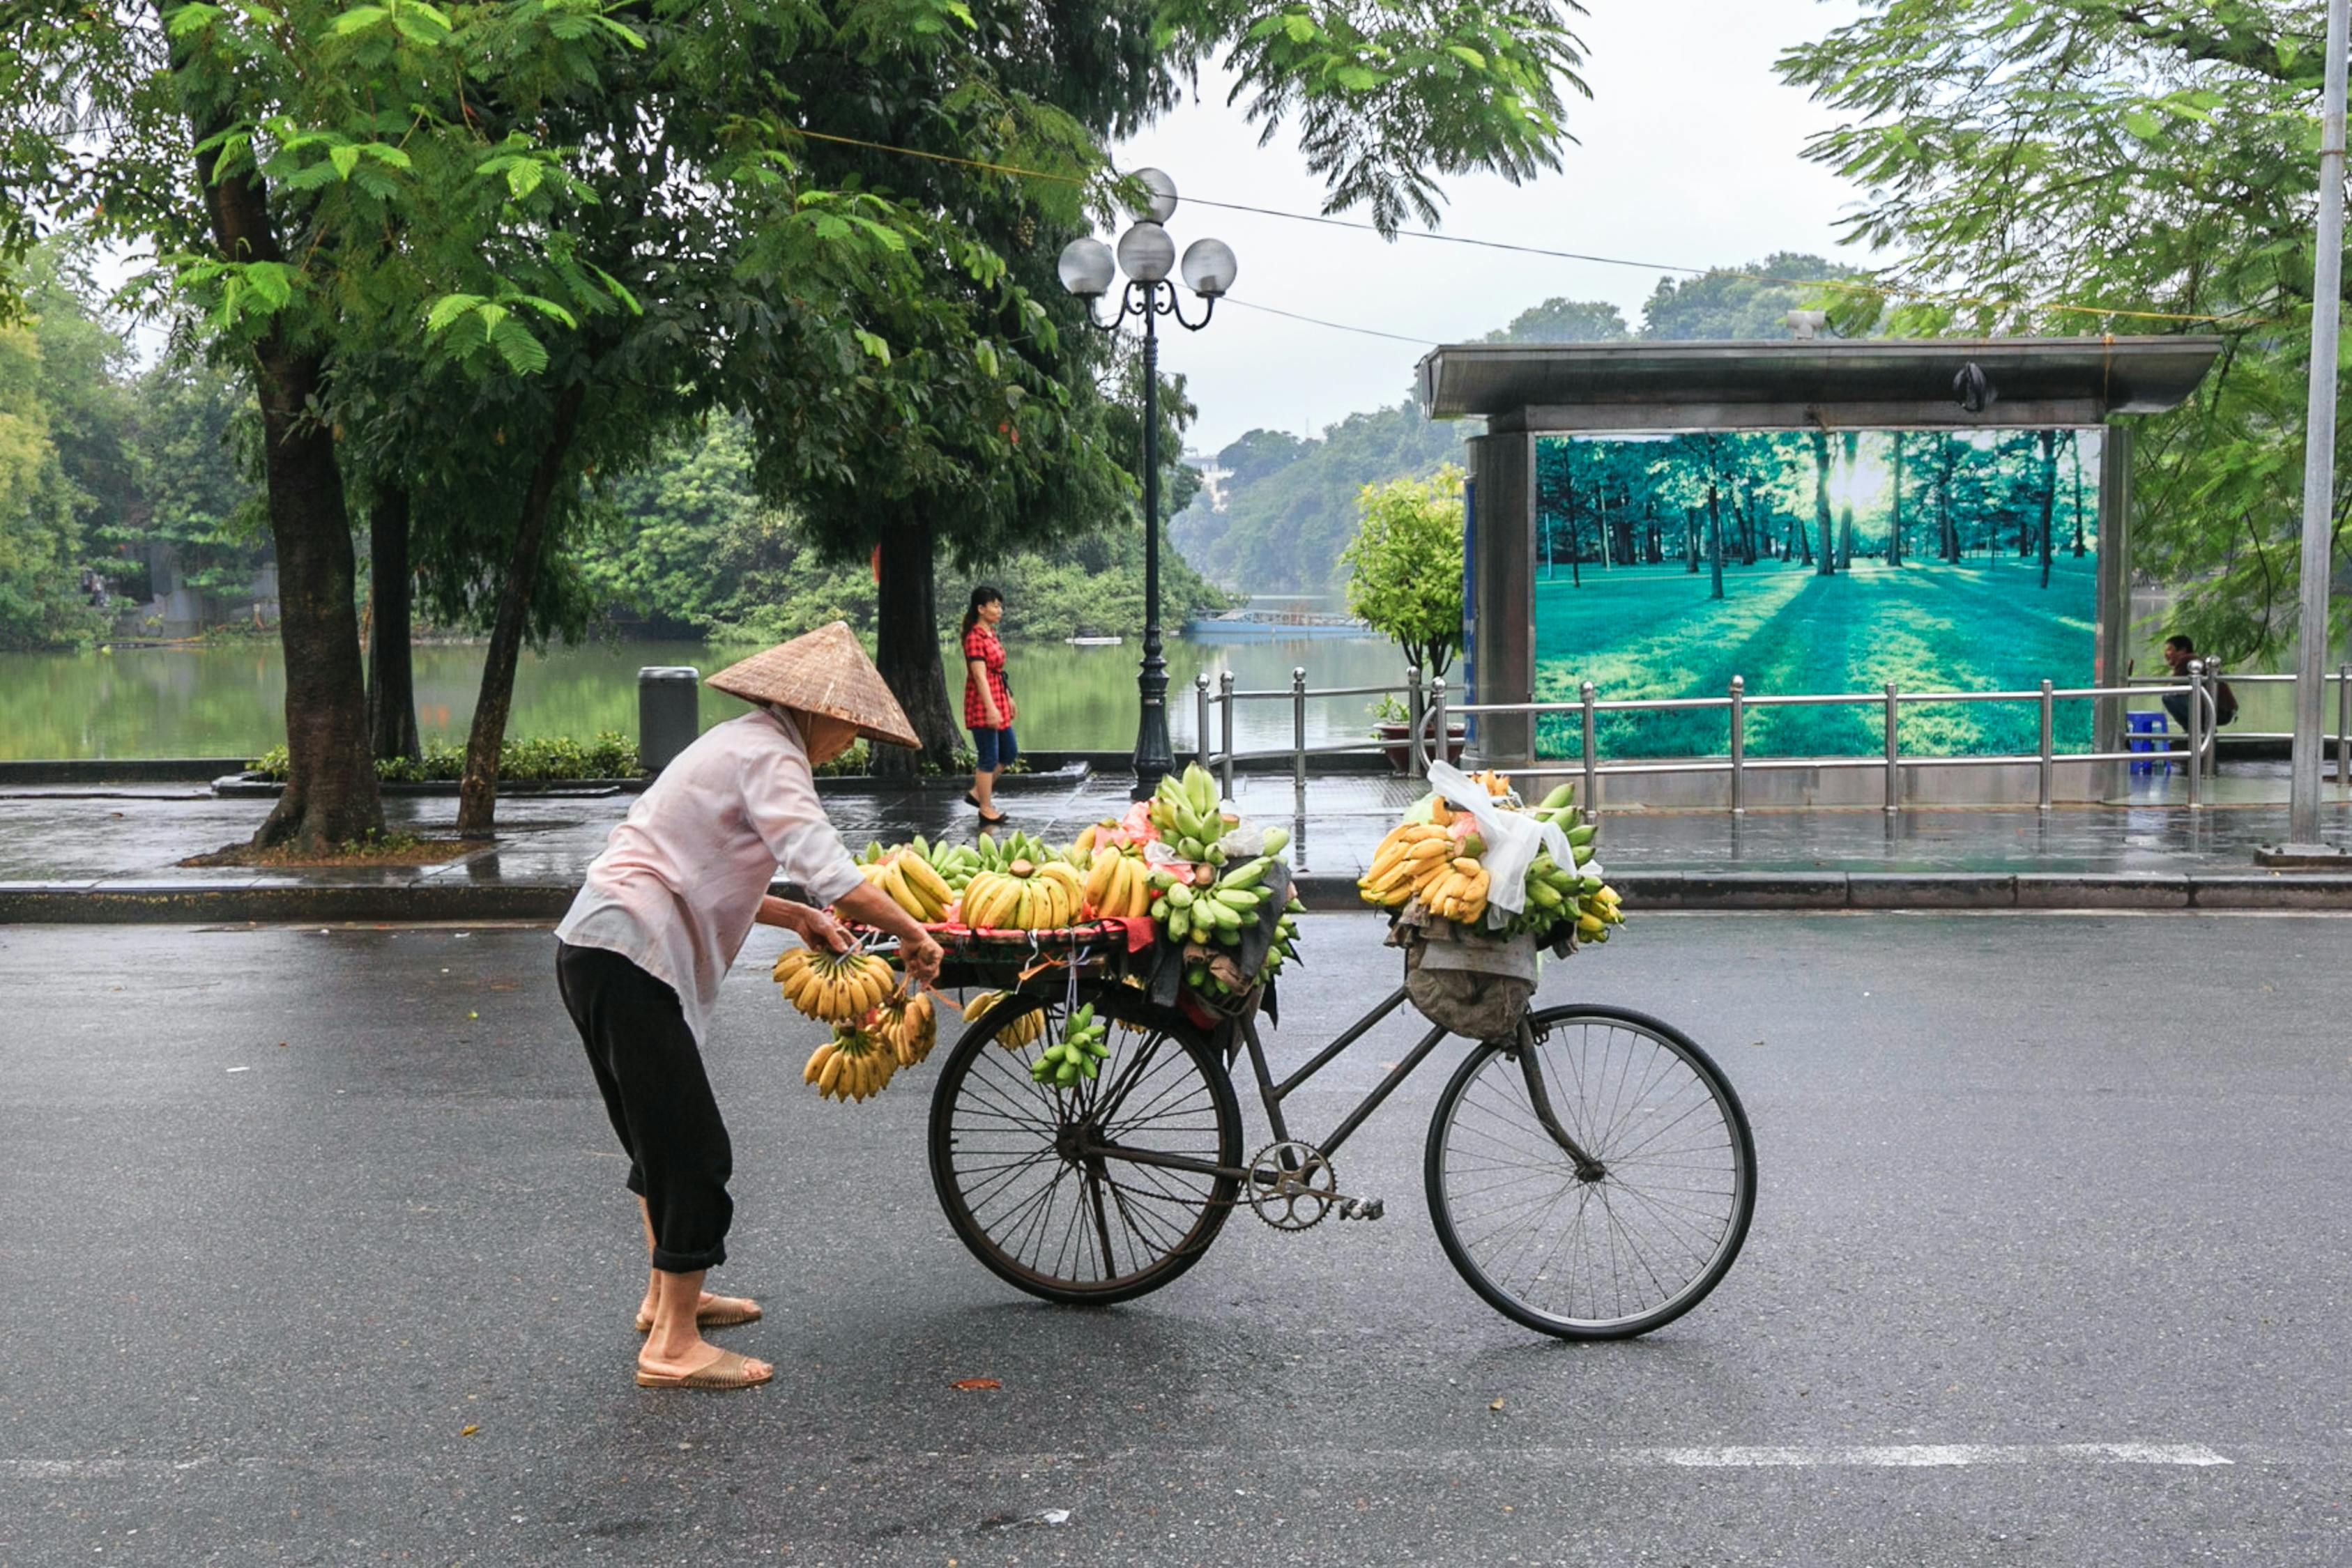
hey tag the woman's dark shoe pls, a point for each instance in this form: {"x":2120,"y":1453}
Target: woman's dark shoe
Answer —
{"x":991,"y":821}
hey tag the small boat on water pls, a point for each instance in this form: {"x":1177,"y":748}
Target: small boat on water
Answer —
{"x":1094,"y":641}
{"x":1246,"y":625}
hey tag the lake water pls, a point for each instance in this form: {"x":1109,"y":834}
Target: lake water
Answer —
{"x":228,"y":700}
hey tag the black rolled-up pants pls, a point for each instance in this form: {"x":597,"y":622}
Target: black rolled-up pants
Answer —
{"x":650,"y":1073}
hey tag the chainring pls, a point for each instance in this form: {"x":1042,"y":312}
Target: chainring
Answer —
{"x":1292,"y":1186}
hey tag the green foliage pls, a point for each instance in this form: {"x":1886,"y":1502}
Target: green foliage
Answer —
{"x":1564,"y":321}
{"x":1750,"y":301}
{"x":2060,"y":167}
{"x":554,"y":759}
{"x":1405,"y":566}
{"x":40,"y":541}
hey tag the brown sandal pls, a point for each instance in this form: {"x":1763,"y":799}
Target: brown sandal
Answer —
{"x":723,"y":1312}
{"x":728,"y":1371}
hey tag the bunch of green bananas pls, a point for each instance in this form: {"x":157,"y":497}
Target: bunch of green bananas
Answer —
{"x":955,"y":864}
{"x":1217,"y":913}
{"x":1190,"y":820}
{"x":1079,"y":1052}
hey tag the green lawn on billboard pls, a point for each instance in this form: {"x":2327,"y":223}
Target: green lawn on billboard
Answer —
{"x":1970,"y":596}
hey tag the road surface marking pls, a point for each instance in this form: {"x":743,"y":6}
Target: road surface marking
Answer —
{"x":1905,"y":1456}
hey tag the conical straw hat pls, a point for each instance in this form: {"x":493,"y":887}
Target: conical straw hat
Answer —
{"x":825,"y":672}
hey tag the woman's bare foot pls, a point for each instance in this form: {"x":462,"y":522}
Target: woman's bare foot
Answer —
{"x":709,"y":1311}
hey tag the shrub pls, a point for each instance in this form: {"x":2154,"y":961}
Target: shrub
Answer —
{"x":554,"y":759}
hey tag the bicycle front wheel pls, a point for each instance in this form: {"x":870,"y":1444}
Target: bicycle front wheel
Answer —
{"x":1100,"y":1191}
{"x":1593,"y":1180}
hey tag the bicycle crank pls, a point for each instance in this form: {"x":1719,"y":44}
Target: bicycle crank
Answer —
{"x":1292,"y":1186}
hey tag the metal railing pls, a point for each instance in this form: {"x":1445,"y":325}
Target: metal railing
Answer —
{"x":1429,"y":716}
{"x":2341,"y":677}
{"x":1735,"y":704}
{"x":1222,"y":759}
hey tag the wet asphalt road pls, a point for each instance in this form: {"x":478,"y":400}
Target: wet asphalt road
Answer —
{"x":315,"y":1252}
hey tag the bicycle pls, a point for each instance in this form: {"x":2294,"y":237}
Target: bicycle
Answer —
{"x":1590,"y":1178}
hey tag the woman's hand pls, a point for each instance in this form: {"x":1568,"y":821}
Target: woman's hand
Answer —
{"x":922,"y":959}
{"x":817,"y":927}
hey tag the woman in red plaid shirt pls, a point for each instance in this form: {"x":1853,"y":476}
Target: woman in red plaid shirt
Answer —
{"x":987,"y":700}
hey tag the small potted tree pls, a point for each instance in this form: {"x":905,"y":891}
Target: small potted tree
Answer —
{"x":1404,"y":579}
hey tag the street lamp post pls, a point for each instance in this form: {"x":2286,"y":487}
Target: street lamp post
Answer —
{"x":1088,"y":268}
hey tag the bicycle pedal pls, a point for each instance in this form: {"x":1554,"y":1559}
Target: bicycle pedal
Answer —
{"x":1363,"y":1208}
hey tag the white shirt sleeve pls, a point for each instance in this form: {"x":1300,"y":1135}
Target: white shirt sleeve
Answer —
{"x":780,"y":801}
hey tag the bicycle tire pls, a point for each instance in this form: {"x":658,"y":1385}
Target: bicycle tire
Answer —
{"x":1476,"y":1136}
{"x":992,"y":1130}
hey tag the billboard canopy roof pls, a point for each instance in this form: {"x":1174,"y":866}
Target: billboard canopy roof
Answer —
{"x":1799,"y":384}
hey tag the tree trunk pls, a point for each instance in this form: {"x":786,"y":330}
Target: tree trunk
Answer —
{"x":2074,"y":449}
{"x":392,"y":685}
{"x":1690,"y":541}
{"x":331,"y":795}
{"x":2048,"y":496}
{"x":1714,"y":543}
{"x":1827,"y":564}
{"x":1894,"y":528}
{"x":1853,"y":448}
{"x":907,"y":647}
{"x":478,"y":792}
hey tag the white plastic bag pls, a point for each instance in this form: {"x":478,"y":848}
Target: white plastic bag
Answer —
{"x":1513,"y":838}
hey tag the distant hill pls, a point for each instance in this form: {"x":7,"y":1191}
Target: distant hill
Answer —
{"x":1289,"y":505}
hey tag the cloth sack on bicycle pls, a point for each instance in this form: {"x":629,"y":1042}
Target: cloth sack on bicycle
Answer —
{"x":1470,"y":981}
{"x":1513,"y":838}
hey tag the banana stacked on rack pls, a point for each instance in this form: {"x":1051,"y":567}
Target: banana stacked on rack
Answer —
{"x":1026,"y":895}
{"x":913,"y":882}
{"x":1118,"y":885}
{"x":1023,"y":1031}
{"x":1412,"y":858}
{"x":1219,"y":912}
{"x":836,"y":988}
{"x":1190,"y":820}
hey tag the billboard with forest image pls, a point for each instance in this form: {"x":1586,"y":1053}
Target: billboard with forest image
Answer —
{"x":1816,"y":562}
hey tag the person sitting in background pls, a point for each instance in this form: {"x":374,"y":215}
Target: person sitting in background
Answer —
{"x":2179,"y":652}
{"x":987,"y":700}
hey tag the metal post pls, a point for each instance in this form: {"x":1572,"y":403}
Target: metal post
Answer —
{"x":1415,"y":763}
{"x":2196,"y":727}
{"x":2049,"y":733}
{"x":1201,"y":719}
{"x":1154,"y":757}
{"x":1893,"y":764}
{"x":2319,"y":443}
{"x":1299,"y":729}
{"x":1225,"y":695}
{"x":1591,"y":763}
{"x":1739,"y":745}
{"x":2344,"y":727}
{"x":1443,"y":753}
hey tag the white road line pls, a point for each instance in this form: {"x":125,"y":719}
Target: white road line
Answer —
{"x":1910,"y":1455}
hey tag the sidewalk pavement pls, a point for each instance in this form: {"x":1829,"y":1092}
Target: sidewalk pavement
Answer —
{"x":110,"y":852}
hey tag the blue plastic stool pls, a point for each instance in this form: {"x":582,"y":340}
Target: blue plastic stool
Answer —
{"x":2148,"y":724}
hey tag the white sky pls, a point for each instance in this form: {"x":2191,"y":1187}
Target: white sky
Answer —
{"x":1688,"y":153}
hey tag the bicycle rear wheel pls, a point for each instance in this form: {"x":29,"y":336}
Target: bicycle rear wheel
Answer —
{"x":1020,"y":1166}
{"x":1635,"y":1232}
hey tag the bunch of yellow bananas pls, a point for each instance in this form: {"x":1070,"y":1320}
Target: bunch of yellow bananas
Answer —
{"x":1024,"y":1030}
{"x":1118,"y":885}
{"x":1596,"y":913}
{"x":838,"y":988}
{"x":913,"y":883}
{"x":909,"y":1026}
{"x":1412,"y":856}
{"x":1024,"y":896}
{"x":852,"y":1065}
{"x":1460,"y":894}
{"x":1496,"y":784}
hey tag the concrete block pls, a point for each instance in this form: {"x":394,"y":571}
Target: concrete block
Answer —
{"x":1740,"y":890}
{"x":1932,"y":890}
{"x":2271,"y":890}
{"x":2079,"y":890}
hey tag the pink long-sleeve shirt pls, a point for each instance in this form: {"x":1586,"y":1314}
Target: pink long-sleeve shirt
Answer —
{"x":680,"y":881}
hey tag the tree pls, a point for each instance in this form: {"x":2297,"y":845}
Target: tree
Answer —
{"x":1748,"y":301}
{"x":1560,"y":321}
{"x":1405,"y":566}
{"x":1828,"y":566}
{"x":2051,"y":168}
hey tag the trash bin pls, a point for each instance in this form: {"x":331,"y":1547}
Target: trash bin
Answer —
{"x":669,"y":713}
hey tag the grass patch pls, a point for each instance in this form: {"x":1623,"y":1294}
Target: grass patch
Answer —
{"x":388,"y":850}
{"x":1654,"y":632}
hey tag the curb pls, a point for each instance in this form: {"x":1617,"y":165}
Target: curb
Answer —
{"x":445,"y":899}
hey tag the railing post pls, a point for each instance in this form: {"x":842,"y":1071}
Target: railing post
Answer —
{"x":1443,"y":753}
{"x":1415,"y":764}
{"x":1739,"y":745}
{"x":1225,"y":695}
{"x":1200,"y":718}
{"x":2196,"y":728}
{"x":2343,"y":726}
{"x":1591,"y":763}
{"x":1299,"y":727}
{"x":1894,"y":758}
{"x":2049,"y":735}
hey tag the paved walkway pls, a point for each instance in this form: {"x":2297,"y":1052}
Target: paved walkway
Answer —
{"x":124,"y":842}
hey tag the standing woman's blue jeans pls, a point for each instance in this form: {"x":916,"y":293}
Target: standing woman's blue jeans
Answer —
{"x":994,"y":746}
